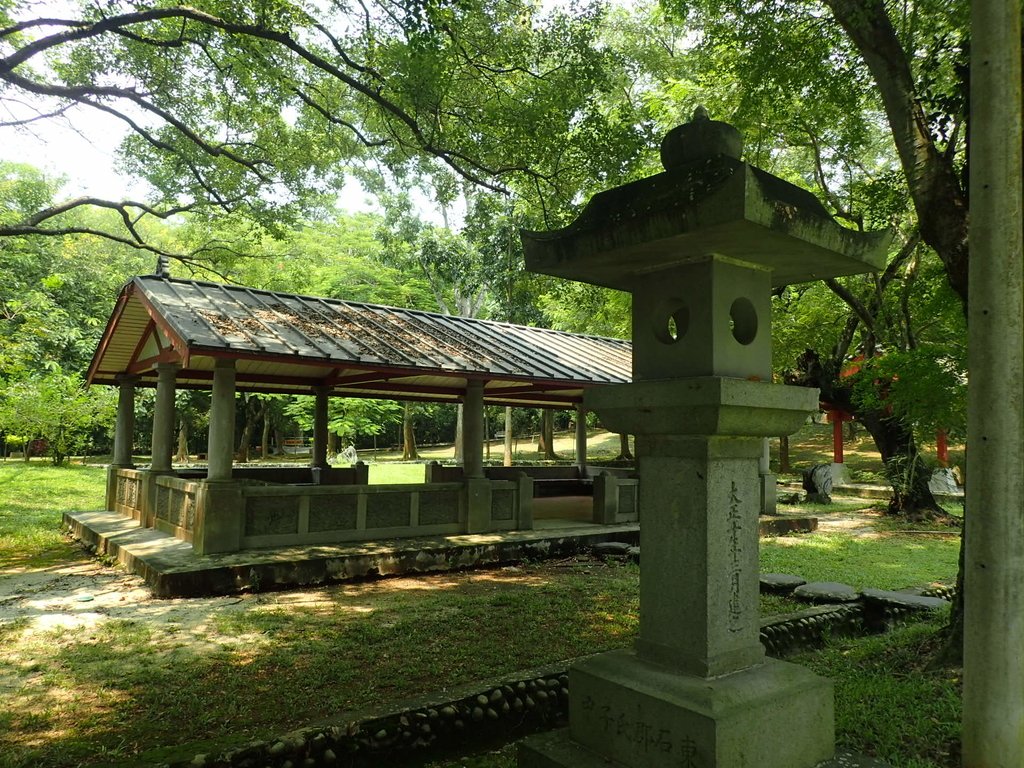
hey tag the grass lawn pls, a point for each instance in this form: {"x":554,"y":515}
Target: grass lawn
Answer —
{"x":33,"y":496}
{"x":139,"y":690}
{"x":888,"y":703}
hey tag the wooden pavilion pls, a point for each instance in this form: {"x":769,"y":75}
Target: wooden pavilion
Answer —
{"x":169,"y":334}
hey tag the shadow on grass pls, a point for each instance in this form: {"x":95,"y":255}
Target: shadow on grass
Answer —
{"x":126,"y":692}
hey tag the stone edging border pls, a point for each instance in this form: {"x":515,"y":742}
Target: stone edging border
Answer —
{"x":522,"y":703}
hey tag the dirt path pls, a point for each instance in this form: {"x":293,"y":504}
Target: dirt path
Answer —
{"x":857,"y":523}
{"x":85,"y":593}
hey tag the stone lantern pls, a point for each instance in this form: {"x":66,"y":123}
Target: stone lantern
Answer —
{"x":699,"y":247}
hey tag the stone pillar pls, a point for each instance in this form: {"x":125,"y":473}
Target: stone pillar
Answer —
{"x":124,"y":436}
{"x":700,"y":248}
{"x":319,"y":459}
{"x":221,"y":446}
{"x":124,"y":431}
{"x":698,"y":655}
{"x":606,"y":499}
{"x":581,"y":440}
{"x":993,"y":735}
{"x":163,"y":418}
{"x":473,"y":430}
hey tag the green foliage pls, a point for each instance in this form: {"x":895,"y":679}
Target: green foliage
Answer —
{"x":889,"y":703}
{"x":57,"y":408}
{"x":261,"y":110}
{"x":917,"y":386}
{"x":347,"y":417}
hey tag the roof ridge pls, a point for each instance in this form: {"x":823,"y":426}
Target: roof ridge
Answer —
{"x":348,"y":302}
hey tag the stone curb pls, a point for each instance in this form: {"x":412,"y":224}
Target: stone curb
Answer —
{"x":503,"y":710}
{"x":523,"y":703}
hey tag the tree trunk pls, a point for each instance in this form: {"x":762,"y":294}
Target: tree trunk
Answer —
{"x":265,"y":438}
{"x":182,"y":453}
{"x":332,"y":446}
{"x":507,"y":459}
{"x":624,"y":453}
{"x":408,"y":435}
{"x":460,"y":451}
{"x":951,"y":654}
{"x":931,"y":177}
{"x":784,"y":468}
{"x":904,"y":467}
{"x":242,"y":454}
{"x":255,"y":409}
{"x":546,"y":439}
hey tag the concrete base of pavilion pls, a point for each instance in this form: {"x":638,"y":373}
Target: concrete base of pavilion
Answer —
{"x":171,"y":567}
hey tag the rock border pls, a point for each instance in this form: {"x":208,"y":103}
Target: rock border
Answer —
{"x":529,"y":702}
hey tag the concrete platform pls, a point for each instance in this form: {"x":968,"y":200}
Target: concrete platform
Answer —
{"x":172,"y":569}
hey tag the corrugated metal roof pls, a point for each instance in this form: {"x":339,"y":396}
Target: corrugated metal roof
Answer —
{"x":289,"y":343}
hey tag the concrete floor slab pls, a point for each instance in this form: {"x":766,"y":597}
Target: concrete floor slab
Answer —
{"x":172,"y":569}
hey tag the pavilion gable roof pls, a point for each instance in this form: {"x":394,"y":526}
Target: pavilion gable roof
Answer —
{"x":288,"y":343}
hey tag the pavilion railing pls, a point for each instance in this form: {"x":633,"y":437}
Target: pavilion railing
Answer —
{"x":176,"y":506}
{"x":283,"y":515}
{"x":125,"y":493}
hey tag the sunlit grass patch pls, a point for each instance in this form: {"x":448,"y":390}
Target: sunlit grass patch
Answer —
{"x":33,"y":498}
{"x":883,"y":562}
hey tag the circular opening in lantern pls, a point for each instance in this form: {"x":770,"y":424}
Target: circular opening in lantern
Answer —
{"x":672,"y":324}
{"x":743,"y":321}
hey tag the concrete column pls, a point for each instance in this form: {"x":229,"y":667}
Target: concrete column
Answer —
{"x":124,"y":431}
{"x":473,"y":429}
{"x":581,"y":439}
{"x":993,"y":736}
{"x":163,"y":417}
{"x":221,"y":445}
{"x":319,"y":459}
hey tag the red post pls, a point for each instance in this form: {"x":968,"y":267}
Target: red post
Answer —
{"x":942,"y":447}
{"x":837,"y":436}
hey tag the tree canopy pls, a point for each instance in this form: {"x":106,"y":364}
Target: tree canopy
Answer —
{"x":261,"y":109}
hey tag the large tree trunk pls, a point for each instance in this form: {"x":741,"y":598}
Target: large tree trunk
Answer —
{"x":408,"y":435}
{"x":182,"y":453}
{"x":904,"y":467}
{"x":265,"y":438}
{"x":460,"y":451}
{"x":784,"y":468}
{"x":625,"y":454}
{"x":507,"y":459}
{"x":546,"y":439}
{"x":936,"y":190}
{"x":255,"y":409}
